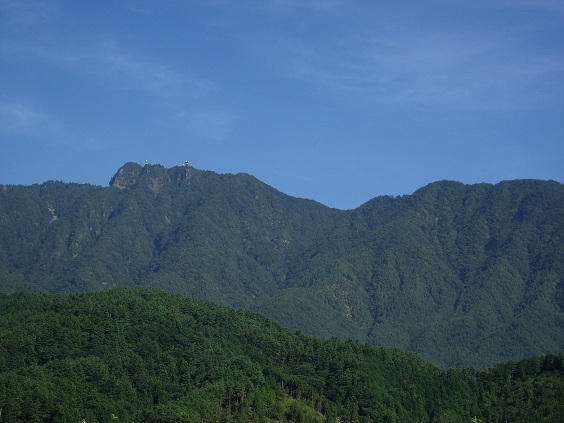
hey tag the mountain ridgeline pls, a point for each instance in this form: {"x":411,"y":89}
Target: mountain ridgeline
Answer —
{"x":464,"y":275}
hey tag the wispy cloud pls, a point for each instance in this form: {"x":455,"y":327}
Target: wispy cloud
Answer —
{"x":109,"y":63}
{"x":109,"y":59}
{"x":20,"y":120}
{"x":24,"y":13}
{"x":550,"y":5}
{"x":126,"y":71}
{"x":320,"y":5}
{"x":476,"y":70}
{"x":205,"y":123}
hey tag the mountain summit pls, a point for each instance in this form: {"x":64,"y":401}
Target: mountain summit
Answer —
{"x":465,"y":275}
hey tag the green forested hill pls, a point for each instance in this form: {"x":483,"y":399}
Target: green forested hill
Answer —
{"x":140,"y":355}
{"x":465,"y":275}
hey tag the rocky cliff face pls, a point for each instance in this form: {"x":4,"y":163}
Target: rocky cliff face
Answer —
{"x":151,"y":177}
{"x":127,"y":176}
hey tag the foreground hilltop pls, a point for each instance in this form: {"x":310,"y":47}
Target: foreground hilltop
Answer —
{"x":141,"y":355}
{"x":465,"y":275}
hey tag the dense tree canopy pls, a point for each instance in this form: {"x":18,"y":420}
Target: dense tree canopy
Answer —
{"x":151,"y":356}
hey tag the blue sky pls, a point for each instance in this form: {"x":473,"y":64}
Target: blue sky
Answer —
{"x":338,"y":101}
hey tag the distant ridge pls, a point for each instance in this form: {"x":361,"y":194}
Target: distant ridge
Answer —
{"x":465,"y":275}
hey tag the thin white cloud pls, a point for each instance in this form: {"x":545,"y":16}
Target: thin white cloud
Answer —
{"x":20,"y":120}
{"x":551,"y":5}
{"x":106,"y":56}
{"x":320,"y":5}
{"x":475,"y":70}
{"x":205,"y":123}
{"x":126,"y":71}
{"x":108,"y":61}
{"x":24,"y":13}
{"x":142,"y":10}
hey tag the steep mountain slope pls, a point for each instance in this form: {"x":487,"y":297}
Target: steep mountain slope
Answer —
{"x":474,"y":269}
{"x":462,"y":274}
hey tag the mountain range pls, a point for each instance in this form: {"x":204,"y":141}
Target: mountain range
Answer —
{"x":464,"y":275}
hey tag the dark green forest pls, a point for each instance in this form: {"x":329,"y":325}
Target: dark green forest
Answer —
{"x":463,"y":275}
{"x":141,"y":355}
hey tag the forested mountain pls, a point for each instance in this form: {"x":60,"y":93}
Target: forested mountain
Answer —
{"x":465,"y":275}
{"x":140,"y":355}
